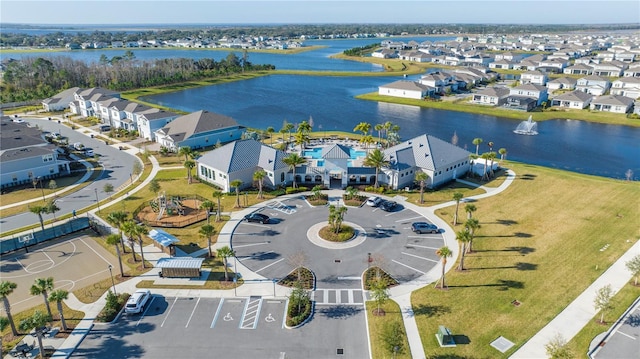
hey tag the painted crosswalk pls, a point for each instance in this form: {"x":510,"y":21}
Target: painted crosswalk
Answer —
{"x":338,"y":296}
{"x":279,"y":206}
{"x":251,"y":313}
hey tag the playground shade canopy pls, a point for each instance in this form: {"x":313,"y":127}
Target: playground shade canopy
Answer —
{"x":163,"y":238}
{"x":180,"y":267}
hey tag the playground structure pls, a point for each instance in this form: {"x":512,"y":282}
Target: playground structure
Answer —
{"x":171,"y":211}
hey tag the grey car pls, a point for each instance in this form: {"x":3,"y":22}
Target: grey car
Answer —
{"x":424,"y":227}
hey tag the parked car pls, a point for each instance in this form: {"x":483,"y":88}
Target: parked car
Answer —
{"x":257,"y":217}
{"x":88,"y":152}
{"x":388,"y":206}
{"x":137,"y":301}
{"x":56,"y":135}
{"x":424,"y":227}
{"x":374,"y":201}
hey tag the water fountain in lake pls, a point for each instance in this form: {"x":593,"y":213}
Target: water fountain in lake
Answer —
{"x":527,"y":127}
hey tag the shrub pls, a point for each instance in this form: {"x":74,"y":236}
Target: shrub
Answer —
{"x":112,"y":307}
{"x":299,"y":308}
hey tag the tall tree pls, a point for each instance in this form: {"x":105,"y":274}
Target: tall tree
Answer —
{"x":117,"y":219}
{"x":363,"y":127}
{"x":503,"y":155}
{"x":477,"y":141}
{"x":379,"y":293}
{"x":6,"y":288}
{"x":39,"y":210}
{"x":108,"y":189}
{"x":443,"y":253}
{"x":52,"y":208}
{"x":270,"y":131}
{"x":185,"y":151}
{"x":294,"y":160}
{"x":379,"y":128}
{"x":633,"y":265}
{"x":457,"y":196}
{"x":259,"y":176}
{"x":129,"y":228}
{"x":208,"y":206}
{"x":421,"y":178}
{"x":472,"y":225}
{"x":58,"y":296}
{"x":218,"y":196}
{"x":225,"y":253}
{"x":470,"y":208}
{"x":376,"y":159}
{"x":236,"y":184}
{"x":189,"y":165}
{"x":43,"y":286}
{"x":602,"y":301}
{"x":305,"y":127}
{"x":114,"y":240}
{"x":207,"y":231}
{"x":463,"y":237}
{"x":36,"y":321}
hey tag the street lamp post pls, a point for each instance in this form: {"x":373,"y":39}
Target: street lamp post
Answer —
{"x":97,"y":201}
{"x":113,"y":283}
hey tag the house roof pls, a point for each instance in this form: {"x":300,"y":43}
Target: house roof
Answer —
{"x":179,"y":262}
{"x":407,"y":85}
{"x":336,"y":151}
{"x":18,"y":135}
{"x":494,"y":91}
{"x":594,"y":78}
{"x":163,"y":238}
{"x":87,"y":93}
{"x":615,"y":100}
{"x":564,"y":80}
{"x":197,"y":122}
{"x":61,"y":95}
{"x":577,"y":95}
{"x":425,"y":151}
{"x":531,"y":87}
{"x":243,"y":154}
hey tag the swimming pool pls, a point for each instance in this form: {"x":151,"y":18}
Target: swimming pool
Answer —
{"x":316,"y":153}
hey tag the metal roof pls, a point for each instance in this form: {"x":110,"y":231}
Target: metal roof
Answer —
{"x":180,"y":262}
{"x":162,"y":237}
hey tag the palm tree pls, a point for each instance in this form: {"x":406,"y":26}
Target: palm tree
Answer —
{"x":422,"y":178}
{"x":58,"y":296}
{"x":114,"y":240}
{"x":470,"y":208}
{"x":305,"y":127}
{"x":207,"y":231}
{"x":117,"y":219}
{"x":185,"y":151}
{"x":386,"y":129}
{"x":218,"y":196}
{"x":443,"y":253}
{"x":129,"y":228}
{"x":189,"y":164}
{"x":377,"y":159}
{"x":301,"y":138}
{"x":207,"y":206}
{"x":237,"y":183}
{"x":139,"y":231}
{"x":316,"y":191}
{"x":259,"y":176}
{"x":457,"y":196}
{"x":379,"y":128}
{"x":224,"y":253}
{"x":6,"y":288}
{"x":477,"y":141}
{"x":363,"y":127}
{"x":471,"y":224}
{"x":39,"y":210}
{"x":492,"y":156}
{"x":485,"y":173}
{"x":294,"y":160}
{"x":37,"y":321}
{"x":366,"y":141}
{"x":503,"y":155}
{"x":52,"y":208}
{"x":270,"y":131}
{"x":287,"y":127}
{"x":43,"y":286}
{"x":463,"y":237}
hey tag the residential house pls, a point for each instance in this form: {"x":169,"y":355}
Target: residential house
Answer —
{"x":199,"y":129}
{"x":632,"y":71}
{"x":123,"y":114}
{"x":85,"y":100}
{"x":385,"y":54}
{"x":612,"y":103}
{"x":25,"y":156}
{"x":440,"y":160}
{"x":610,"y":69}
{"x":578,"y":69}
{"x":534,"y":77}
{"x":508,"y":56}
{"x":554,"y":65}
{"x":151,"y":120}
{"x":239,"y":160}
{"x":442,"y":82}
{"x":562,"y":83}
{"x":575,"y":99}
{"x":594,"y":85}
{"x":502,"y":64}
{"x":406,"y":89}
{"x":626,"y":86}
{"x":495,"y":96}
{"x":537,"y":92}
{"x":60,"y":101}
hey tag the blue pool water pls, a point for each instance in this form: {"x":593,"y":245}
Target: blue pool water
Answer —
{"x":316,"y":153}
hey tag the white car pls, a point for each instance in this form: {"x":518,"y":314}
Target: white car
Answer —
{"x":374,"y":201}
{"x":137,"y":301}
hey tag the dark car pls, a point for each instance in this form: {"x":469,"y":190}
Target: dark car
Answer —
{"x":424,"y":227}
{"x":388,"y":206}
{"x":257,"y":217}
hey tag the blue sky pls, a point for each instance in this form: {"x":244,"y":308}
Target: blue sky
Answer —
{"x":318,"y":12}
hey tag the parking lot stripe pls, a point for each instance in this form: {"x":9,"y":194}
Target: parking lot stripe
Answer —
{"x":193,"y":311}
{"x":409,"y":219}
{"x":404,"y":265}
{"x":145,"y":311}
{"x":251,"y":312}
{"x":169,"y":312}
{"x":626,"y":335}
{"x":419,"y":246}
{"x":269,"y":265}
{"x":415,"y":256}
{"x":426,"y":237}
{"x":251,"y":244}
{"x":215,"y":317}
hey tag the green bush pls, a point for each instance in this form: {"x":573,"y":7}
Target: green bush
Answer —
{"x":112,"y":307}
{"x":299,"y":308}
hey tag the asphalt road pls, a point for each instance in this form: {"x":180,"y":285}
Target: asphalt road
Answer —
{"x":118,"y":167}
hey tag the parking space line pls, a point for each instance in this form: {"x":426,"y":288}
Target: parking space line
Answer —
{"x":251,"y":313}
{"x":413,"y":255}
{"x":168,"y":312}
{"x":215,"y":317}
{"x":404,"y":265}
{"x":626,"y":335}
{"x":425,"y":237}
{"x":145,"y":311}
{"x":419,"y":246}
{"x":269,"y":265}
{"x":193,"y":311}
{"x":409,"y":219}
{"x":251,"y":244}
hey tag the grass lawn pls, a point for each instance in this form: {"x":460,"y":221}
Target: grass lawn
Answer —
{"x":376,"y":329}
{"x":542,"y":242}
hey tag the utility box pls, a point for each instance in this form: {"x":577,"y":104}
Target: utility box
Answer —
{"x":444,"y":336}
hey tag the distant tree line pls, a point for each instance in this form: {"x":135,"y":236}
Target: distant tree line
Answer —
{"x":362,"y":50}
{"x":76,"y":35}
{"x":39,"y":78}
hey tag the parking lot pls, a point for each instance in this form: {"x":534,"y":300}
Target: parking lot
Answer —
{"x":624,"y":341}
{"x":194,"y":327}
